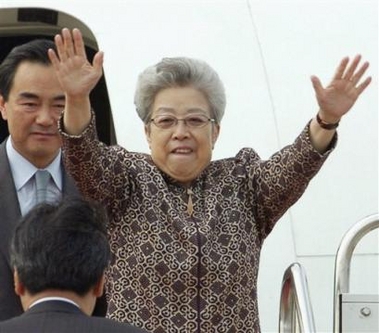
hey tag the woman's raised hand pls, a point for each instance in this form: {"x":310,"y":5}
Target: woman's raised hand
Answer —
{"x":76,"y":74}
{"x":339,"y":96}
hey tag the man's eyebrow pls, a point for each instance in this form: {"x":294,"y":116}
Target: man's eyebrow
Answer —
{"x":27,"y":95}
{"x":60,"y":98}
{"x":30,"y":95}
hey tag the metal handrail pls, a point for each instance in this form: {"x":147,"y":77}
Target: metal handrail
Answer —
{"x":295,"y":305}
{"x":343,"y":260}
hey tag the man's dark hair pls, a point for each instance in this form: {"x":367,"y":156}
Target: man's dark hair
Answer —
{"x":62,"y":246}
{"x":33,"y":51}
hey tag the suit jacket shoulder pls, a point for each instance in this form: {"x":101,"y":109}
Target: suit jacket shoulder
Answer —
{"x":62,"y":317}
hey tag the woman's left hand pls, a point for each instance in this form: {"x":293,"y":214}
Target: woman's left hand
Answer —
{"x":339,"y":96}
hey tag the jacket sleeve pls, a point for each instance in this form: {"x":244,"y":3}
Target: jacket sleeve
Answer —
{"x":277,"y":183}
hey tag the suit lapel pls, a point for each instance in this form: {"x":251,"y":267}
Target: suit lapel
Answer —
{"x":9,"y":206}
{"x":68,"y":187}
{"x":7,"y":187}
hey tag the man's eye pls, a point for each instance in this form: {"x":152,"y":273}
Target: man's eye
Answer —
{"x":28,"y":106}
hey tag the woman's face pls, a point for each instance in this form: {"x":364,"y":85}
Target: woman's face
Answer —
{"x":181,"y":151}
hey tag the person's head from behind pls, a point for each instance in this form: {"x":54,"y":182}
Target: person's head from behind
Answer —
{"x":31,"y":101}
{"x":61,"y":250}
{"x":190,"y":91}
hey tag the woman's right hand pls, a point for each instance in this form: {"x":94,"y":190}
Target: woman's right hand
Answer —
{"x":76,"y":74}
{"x":77,"y":77}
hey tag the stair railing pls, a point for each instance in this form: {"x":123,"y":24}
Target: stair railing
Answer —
{"x":295,"y":314}
{"x":343,"y":260}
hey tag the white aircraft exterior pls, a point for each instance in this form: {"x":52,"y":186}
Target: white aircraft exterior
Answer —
{"x":265,"y":53}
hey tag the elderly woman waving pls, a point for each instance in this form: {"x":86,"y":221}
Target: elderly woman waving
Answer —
{"x":186,"y":232}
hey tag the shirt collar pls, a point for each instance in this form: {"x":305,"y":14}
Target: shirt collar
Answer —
{"x":23,"y":170}
{"x":54,"y":298}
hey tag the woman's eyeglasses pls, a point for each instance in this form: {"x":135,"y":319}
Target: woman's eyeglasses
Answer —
{"x":192,"y":121}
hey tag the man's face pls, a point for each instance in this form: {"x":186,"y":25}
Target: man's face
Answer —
{"x":32,"y":110}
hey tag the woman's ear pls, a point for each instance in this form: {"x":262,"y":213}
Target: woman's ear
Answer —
{"x":215,"y":134}
{"x":148,"y":134}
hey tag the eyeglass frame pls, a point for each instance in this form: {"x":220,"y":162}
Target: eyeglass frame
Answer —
{"x":185,"y":120}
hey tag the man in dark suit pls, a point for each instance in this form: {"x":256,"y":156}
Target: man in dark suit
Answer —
{"x":59,"y":253}
{"x":31,"y":100}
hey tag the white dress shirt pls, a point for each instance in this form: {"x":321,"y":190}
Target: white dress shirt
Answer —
{"x":53,"y":298}
{"x":23,"y":172}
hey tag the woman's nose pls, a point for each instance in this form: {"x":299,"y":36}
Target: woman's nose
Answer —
{"x":181,"y":129}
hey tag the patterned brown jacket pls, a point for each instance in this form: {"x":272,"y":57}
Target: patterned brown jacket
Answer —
{"x":176,"y":272}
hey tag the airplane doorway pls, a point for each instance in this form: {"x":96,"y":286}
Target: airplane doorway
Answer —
{"x":20,"y":25}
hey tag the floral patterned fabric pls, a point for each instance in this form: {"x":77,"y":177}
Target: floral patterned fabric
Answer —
{"x":172,"y":272}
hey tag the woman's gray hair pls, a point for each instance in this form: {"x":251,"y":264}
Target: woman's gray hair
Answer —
{"x":179,"y":72}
